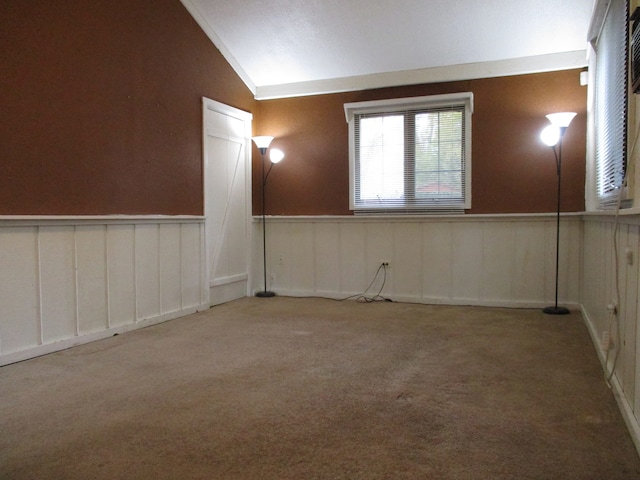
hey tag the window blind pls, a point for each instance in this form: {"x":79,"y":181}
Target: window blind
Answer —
{"x":412,"y":159}
{"x":611,"y":103}
{"x":410,"y":155}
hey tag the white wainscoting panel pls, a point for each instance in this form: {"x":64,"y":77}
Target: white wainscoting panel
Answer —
{"x":93,"y":315}
{"x":437,"y":255}
{"x":58,"y":283}
{"x":121,"y":274}
{"x":467,"y":262}
{"x":527,"y":261}
{"x":20,"y":325}
{"x":502,"y":260}
{"x":322,"y":253}
{"x":610,"y":277}
{"x":496,"y":261}
{"x":147,"y":267}
{"x":306,"y":269}
{"x":408,"y":250}
{"x":70,"y":280}
{"x":170,"y":268}
{"x":351,"y":254}
{"x":629,"y":304}
{"x":193,"y":269}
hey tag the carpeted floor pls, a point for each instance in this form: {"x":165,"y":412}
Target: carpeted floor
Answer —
{"x":287,"y":388}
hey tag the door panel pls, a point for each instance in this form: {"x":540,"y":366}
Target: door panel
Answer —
{"x":227,"y":200}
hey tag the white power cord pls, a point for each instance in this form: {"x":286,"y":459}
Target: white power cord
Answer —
{"x":614,"y":321}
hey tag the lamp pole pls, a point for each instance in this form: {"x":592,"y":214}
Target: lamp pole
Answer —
{"x":555,"y":309}
{"x":265,"y":292}
{"x":553,"y":135}
{"x":262,"y":142}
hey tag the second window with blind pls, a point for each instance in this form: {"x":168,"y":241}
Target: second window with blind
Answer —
{"x":609,"y":38}
{"x":410,"y":155}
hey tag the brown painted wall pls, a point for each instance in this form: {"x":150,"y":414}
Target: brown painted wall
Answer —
{"x":101,"y":106}
{"x":512,"y":171}
{"x":102,"y":114}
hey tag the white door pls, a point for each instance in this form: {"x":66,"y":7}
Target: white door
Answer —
{"x":227,"y":161}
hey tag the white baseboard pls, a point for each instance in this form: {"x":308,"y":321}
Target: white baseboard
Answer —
{"x":46,"y":349}
{"x":423,"y":300}
{"x":623,"y":404}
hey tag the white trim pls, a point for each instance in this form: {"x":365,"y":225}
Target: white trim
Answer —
{"x":591,"y":197}
{"x":228,"y":280}
{"x":92,"y":337}
{"x":450,"y":73}
{"x":477,"y":217}
{"x":601,"y":217}
{"x":598,"y":15}
{"x":181,"y":266}
{"x":395,"y":104}
{"x":215,"y":106}
{"x":76,"y":281}
{"x":335,"y":295}
{"x":159,"y":267}
{"x":36,"y":220}
{"x":458,"y":100}
{"x":219,"y":44}
{"x":626,"y":410}
{"x":107,"y":275}
{"x":38,"y":282}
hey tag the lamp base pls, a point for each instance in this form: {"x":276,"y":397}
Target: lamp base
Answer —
{"x":555,"y":310}
{"x":265,"y":294}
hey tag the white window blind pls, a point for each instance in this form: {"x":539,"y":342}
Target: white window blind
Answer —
{"x":410,"y":155}
{"x":611,"y":103}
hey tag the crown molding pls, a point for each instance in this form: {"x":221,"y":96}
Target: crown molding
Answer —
{"x":219,"y":44}
{"x":449,"y":73}
{"x":468,"y":71}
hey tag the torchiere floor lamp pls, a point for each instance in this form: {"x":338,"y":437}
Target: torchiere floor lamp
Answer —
{"x":552,"y":136}
{"x":263,"y":142}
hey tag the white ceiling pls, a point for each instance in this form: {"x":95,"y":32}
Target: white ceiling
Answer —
{"x":297,"y":47}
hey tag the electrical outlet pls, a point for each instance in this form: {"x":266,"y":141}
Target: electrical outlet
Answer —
{"x":385,"y":263}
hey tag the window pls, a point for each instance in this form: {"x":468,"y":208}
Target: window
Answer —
{"x":410,"y":155}
{"x":610,"y":112}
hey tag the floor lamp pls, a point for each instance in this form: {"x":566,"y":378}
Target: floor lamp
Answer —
{"x":552,"y":135}
{"x":263,"y":142}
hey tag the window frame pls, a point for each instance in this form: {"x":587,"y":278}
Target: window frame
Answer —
{"x":430,"y":102}
{"x":607,"y":153}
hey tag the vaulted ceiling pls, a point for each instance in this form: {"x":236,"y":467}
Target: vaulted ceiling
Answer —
{"x":301,"y":47}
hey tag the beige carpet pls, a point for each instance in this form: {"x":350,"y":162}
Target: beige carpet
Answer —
{"x":288,"y":388}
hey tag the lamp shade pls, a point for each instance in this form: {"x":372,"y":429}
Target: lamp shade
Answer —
{"x":262,"y":141}
{"x":275,"y":155}
{"x":550,"y":135}
{"x":561,"y":119}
